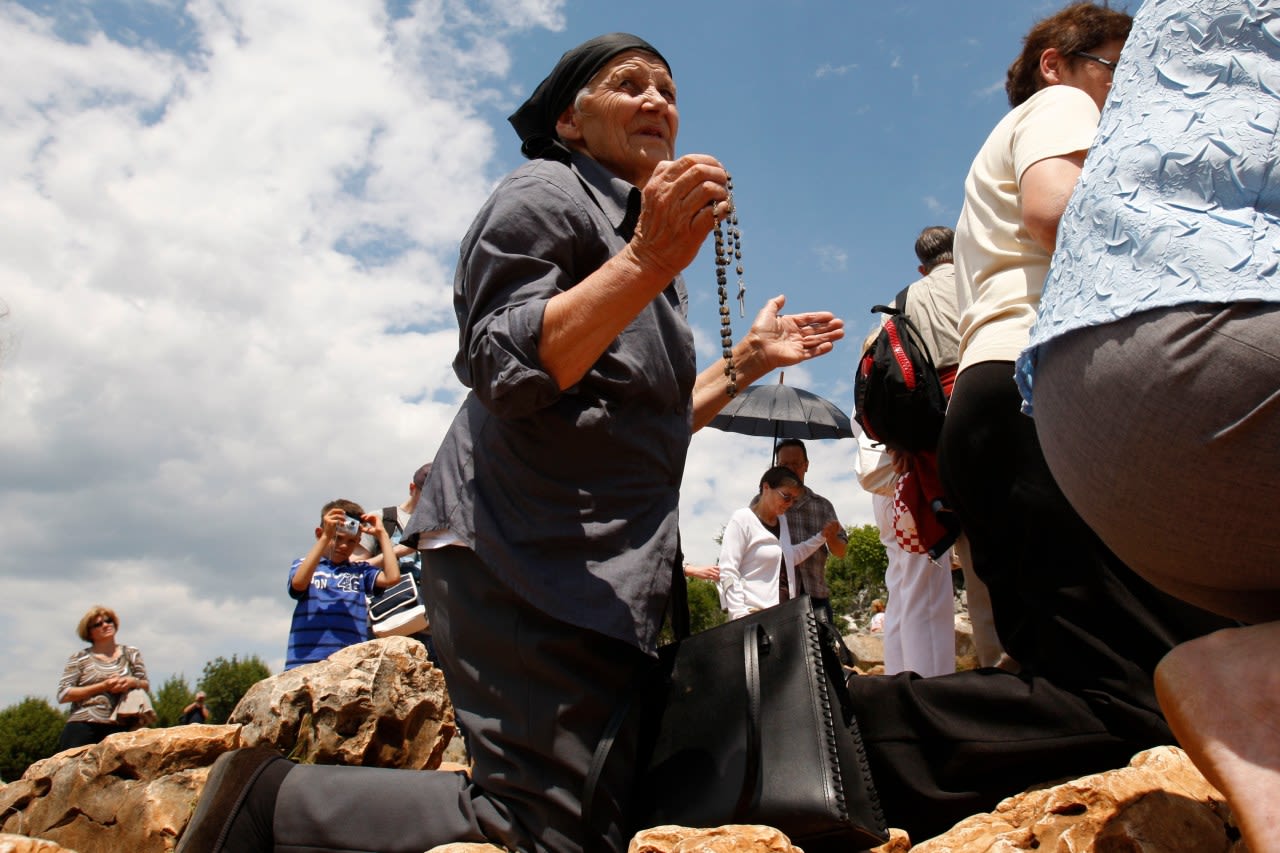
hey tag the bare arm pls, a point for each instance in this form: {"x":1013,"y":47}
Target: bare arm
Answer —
{"x":675,"y":217}
{"x":706,"y":573}
{"x":328,"y":526}
{"x":115,"y":684}
{"x":837,"y":543}
{"x":1046,"y":188}
{"x":390,"y":573}
{"x":79,"y":694}
{"x":377,"y":559}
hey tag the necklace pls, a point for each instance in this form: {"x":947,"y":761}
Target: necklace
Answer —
{"x":723,"y":248}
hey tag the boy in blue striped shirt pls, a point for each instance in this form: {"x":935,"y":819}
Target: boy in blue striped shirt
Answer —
{"x":330,"y":590}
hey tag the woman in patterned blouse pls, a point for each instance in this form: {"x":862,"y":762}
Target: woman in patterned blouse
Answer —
{"x":96,"y":678}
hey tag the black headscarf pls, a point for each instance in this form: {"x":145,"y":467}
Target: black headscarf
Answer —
{"x":535,"y":121}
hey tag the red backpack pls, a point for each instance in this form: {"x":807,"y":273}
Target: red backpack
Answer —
{"x":898,"y":397}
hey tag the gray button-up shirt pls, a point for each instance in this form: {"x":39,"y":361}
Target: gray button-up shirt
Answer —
{"x":571,"y":496}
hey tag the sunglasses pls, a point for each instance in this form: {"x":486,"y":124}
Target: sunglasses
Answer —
{"x":101,"y":622}
{"x":1105,"y":63}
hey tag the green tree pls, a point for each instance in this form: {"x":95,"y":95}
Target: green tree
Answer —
{"x":704,"y":610}
{"x":174,"y":695}
{"x":704,"y":606}
{"x":857,"y":577}
{"x":29,"y":732}
{"x":226,"y":681}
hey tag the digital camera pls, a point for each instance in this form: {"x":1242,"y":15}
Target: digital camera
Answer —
{"x":350,"y":526}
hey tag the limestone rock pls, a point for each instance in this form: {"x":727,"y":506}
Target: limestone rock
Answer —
{"x":721,"y":839}
{"x":868,"y":650}
{"x":966,"y":649}
{"x":375,"y":704}
{"x":379,"y":703}
{"x":1158,"y":804}
{"x":899,"y":842}
{"x":134,"y":791}
{"x":22,"y":844}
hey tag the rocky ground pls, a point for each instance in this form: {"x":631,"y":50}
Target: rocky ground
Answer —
{"x":382,"y":704}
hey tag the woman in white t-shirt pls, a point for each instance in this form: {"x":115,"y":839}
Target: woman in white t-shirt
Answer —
{"x":757,"y":557}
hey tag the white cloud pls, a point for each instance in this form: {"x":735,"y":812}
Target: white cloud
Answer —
{"x":229,"y":281}
{"x":831,"y":258}
{"x":996,"y":88}
{"x":228,"y":271}
{"x":829,"y":70}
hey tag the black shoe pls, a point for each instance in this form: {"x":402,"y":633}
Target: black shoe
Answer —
{"x":224,"y":797}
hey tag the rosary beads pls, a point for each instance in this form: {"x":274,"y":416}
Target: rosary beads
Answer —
{"x":723,"y":249}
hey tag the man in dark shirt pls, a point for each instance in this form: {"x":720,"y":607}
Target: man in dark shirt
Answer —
{"x":807,"y":515}
{"x":196,"y":712}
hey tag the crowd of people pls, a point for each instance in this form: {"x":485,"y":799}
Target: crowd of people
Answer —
{"x":1095,"y":528}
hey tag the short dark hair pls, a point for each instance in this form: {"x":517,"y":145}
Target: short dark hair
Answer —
{"x":933,"y":246}
{"x":779,"y":475}
{"x":791,"y":442}
{"x":420,"y":476}
{"x":1079,"y":27}
{"x":351,"y":508}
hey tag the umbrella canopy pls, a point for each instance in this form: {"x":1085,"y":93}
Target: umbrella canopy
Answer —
{"x":781,"y":411}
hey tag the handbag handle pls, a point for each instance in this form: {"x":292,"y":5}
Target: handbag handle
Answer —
{"x":753,"y":638}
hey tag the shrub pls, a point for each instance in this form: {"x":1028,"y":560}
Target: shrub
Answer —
{"x":29,"y":732}
{"x":857,"y":577}
{"x":226,"y":681}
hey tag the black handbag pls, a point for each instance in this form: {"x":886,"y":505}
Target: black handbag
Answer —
{"x":754,"y":725}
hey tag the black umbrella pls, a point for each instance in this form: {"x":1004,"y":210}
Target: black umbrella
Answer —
{"x":781,"y":411}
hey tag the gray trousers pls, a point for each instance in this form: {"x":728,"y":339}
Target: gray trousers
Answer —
{"x":1163,"y":431}
{"x":534,"y":695}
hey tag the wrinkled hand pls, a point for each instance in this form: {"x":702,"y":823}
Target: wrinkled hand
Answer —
{"x":681,"y":202}
{"x":831,"y":530}
{"x":793,"y":338}
{"x":117,"y":684}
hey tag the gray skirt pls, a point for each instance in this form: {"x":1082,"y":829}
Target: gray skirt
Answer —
{"x":1163,"y":430}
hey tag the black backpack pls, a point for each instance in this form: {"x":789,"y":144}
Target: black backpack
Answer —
{"x":897,"y":395}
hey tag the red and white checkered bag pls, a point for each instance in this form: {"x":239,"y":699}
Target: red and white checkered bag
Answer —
{"x":904,"y":522}
{"x":922,"y":523}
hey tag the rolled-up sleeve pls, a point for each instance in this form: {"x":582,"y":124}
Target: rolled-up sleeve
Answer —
{"x":519,"y":254}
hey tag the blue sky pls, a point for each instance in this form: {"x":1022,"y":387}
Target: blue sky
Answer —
{"x":229,"y":234}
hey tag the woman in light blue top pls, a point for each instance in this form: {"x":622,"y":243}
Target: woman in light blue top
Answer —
{"x":1155,"y":365}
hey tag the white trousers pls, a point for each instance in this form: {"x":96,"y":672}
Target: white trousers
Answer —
{"x":919,"y":617}
{"x":985,"y":640}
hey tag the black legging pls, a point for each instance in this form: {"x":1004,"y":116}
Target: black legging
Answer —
{"x":81,"y":733}
{"x":1086,"y":630}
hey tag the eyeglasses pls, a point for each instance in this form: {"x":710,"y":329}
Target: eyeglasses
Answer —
{"x":786,"y":496}
{"x":1105,"y":63}
{"x":101,"y":622}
